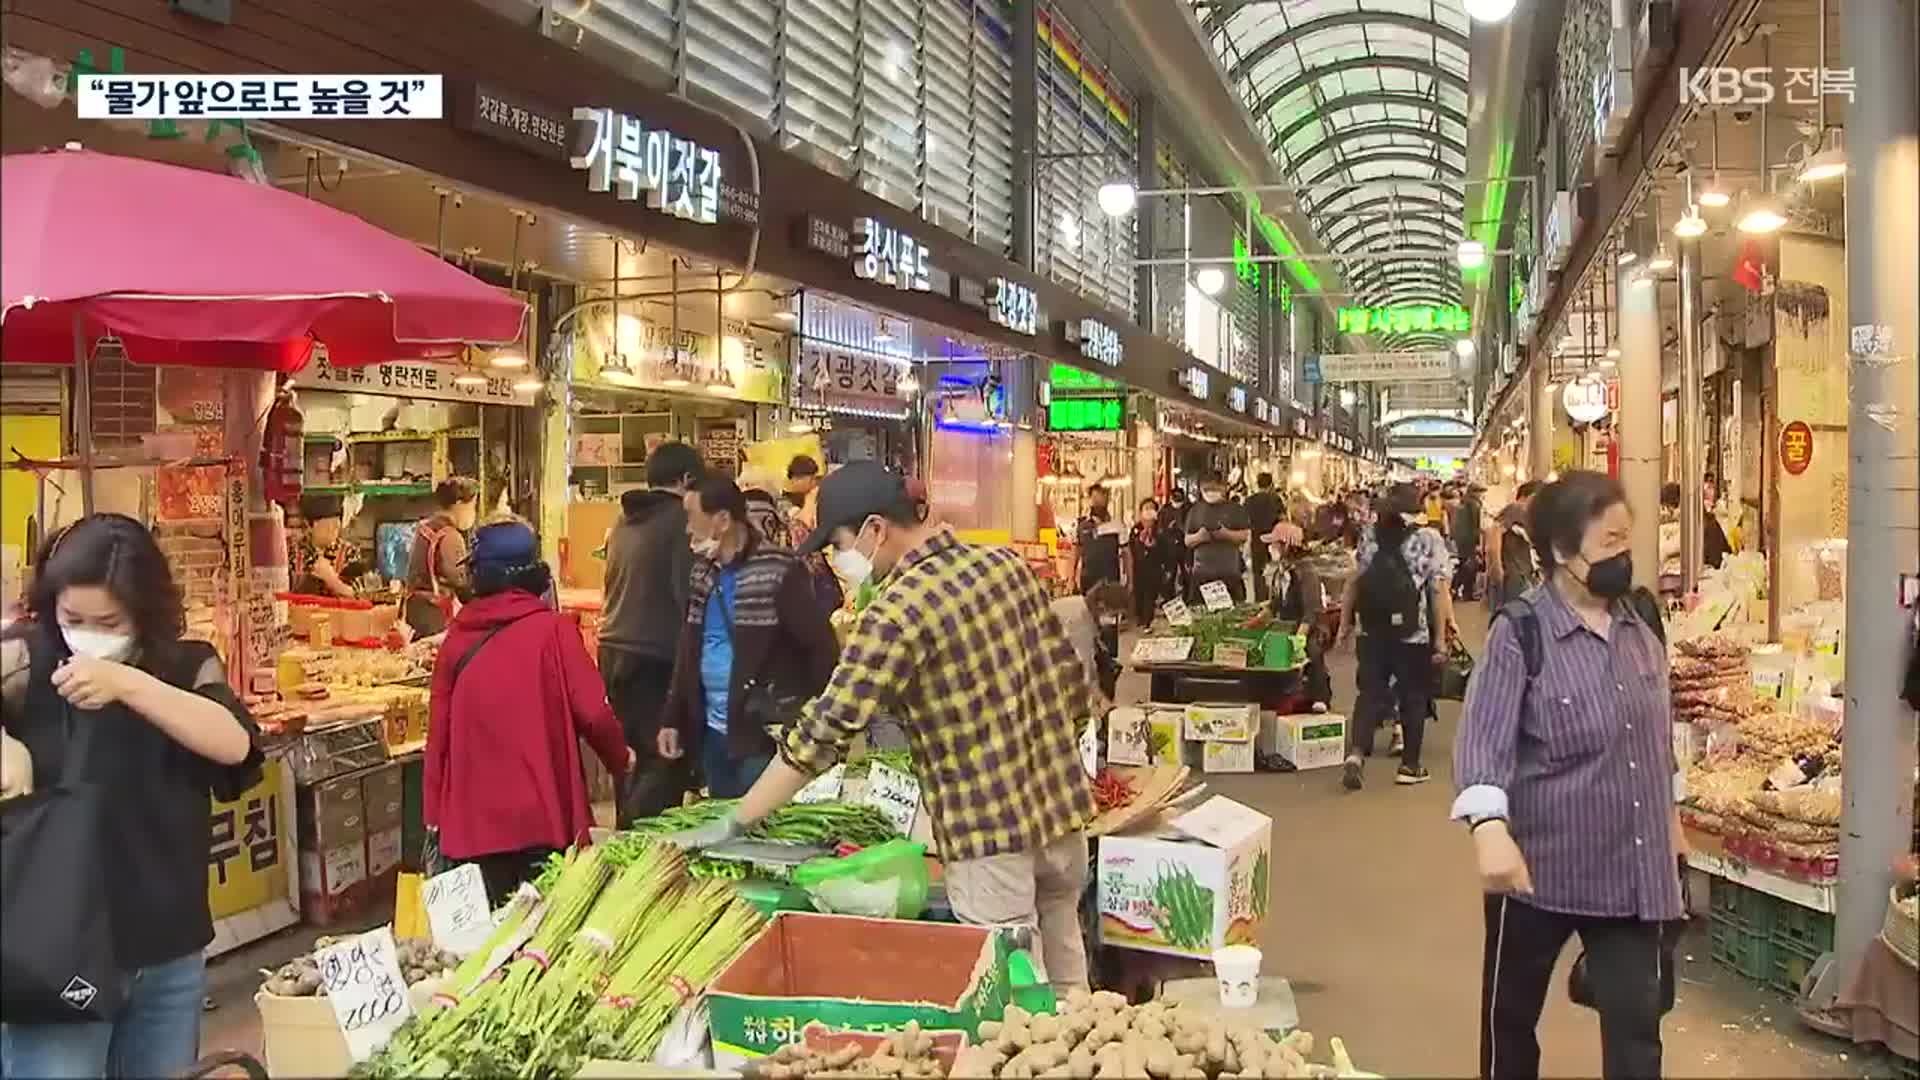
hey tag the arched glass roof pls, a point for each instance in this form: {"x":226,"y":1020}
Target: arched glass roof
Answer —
{"x":1366,"y":101}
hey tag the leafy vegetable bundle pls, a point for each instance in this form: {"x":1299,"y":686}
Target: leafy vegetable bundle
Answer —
{"x":796,"y":823}
{"x":592,"y":961}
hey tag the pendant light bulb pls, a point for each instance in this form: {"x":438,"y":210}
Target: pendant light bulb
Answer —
{"x":1761,"y":215}
{"x":1662,"y":260}
{"x":1690,"y":225}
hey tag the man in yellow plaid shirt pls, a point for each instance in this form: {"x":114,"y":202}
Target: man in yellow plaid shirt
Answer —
{"x":960,"y":645}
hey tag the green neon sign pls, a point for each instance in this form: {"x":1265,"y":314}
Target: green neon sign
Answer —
{"x":1067,"y":377}
{"x":1405,"y":319}
{"x":1286,"y":296}
{"x":1244,"y":267}
{"x":1086,"y":414}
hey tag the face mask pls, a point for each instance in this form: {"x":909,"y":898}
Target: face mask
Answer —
{"x":853,"y":566}
{"x":1147,"y":517}
{"x":98,"y":644}
{"x":1611,"y":578}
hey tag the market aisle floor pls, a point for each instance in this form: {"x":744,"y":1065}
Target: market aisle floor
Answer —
{"x":1376,"y":919}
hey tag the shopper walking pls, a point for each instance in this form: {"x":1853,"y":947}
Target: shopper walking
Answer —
{"x":1511,"y":554}
{"x":1566,"y":778}
{"x":1468,"y":540}
{"x":649,"y":576}
{"x":1149,"y":557}
{"x":514,"y":695}
{"x":97,"y":687}
{"x":1173,"y":533}
{"x":1215,"y":532}
{"x":1264,"y":511}
{"x":1399,"y":598}
{"x":1097,"y":543}
{"x":958,"y":644}
{"x":437,"y":581}
{"x":754,"y":646}
{"x":1300,"y":597}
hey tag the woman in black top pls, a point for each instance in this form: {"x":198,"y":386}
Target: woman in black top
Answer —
{"x":100,"y":668}
{"x":1149,"y":562}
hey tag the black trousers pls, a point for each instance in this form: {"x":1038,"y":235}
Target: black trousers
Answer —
{"x":1626,"y":967}
{"x":504,"y":871}
{"x":1395,"y":683}
{"x":1148,"y":580}
{"x":637,"y":690}
{"x":1261,"y":557}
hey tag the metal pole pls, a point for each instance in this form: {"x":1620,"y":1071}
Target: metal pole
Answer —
{"x":1026,"y":131}
{"x":1691,"y":433}
{"x":83,"y":411}
{"x":1638,"y":425}
{"x":1883,"y":514}
{"x":1539,"y":419}
{"x":1146,"y":170}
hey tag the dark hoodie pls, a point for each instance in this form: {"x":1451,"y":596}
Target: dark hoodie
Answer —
{"x":649,"y":570}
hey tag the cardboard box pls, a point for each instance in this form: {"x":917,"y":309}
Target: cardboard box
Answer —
{"x":382,"y":794}
{"x":332,"y":812}
{"x":1226,"y":757}
{"x":333,"y":850}
{"x":1223,"y":722}
{"x":846,"y":973}
{"x":301,"y":1037}
{"x":1215,"y":859}
{"x":1144,"y":734}
{"x":383,"y":853}
{"x":1311,"y":740}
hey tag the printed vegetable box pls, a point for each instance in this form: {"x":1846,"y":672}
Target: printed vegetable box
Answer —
{"x":1310,"y":740}
{"x":1222,"y":723}
{"x":847,"y":973}
{"x":1191,"y":889}
{"x":1144,"y":735}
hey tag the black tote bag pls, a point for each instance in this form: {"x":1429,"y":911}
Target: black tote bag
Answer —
{"x":58,"y":963}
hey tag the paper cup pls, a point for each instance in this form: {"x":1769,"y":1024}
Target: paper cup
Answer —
{"x":1237,"y":967}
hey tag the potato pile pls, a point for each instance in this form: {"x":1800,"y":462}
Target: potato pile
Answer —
{"x":300,"y":976}
{"x":1101,"y":1037}
{"x":906,"y":1053}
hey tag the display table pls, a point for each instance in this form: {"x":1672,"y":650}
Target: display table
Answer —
{"x":1186,"y":681}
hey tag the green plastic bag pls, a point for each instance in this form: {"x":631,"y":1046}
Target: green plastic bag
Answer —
{"x":886,"y":881}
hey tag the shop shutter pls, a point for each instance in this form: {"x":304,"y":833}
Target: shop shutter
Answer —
{"x":644,"y":28}
{"x":991,"y":82}
{"x":730,"y":52}
{"x":1075,"y":243}
{"x":946,"y":60}
{"x":888,"y":104}
{"x":817,"y":89}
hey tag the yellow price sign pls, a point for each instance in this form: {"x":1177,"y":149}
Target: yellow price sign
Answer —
{"x":248,"y":852}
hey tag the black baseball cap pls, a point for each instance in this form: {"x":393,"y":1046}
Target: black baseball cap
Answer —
{"x":851,"y":494}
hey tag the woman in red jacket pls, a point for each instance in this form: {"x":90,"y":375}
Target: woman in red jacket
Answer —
{"x":514,"y":693}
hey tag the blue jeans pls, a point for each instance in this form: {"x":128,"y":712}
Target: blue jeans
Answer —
{"x":157,"y":1033}
{"x":729,"y":777}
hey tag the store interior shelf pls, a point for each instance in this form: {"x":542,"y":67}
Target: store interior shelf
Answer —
{"x":1804,"y":893}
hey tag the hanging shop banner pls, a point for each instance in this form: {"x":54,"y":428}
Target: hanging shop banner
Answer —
{"x":1796,"y":447}
{"x":413,"y":379}
{"x":1585,"y":400}
{"x":248,"y":848}
{"x":747,"y":364}
{"x":1387,"y":367}
{"x":1107,"y":413}
{"x":839,"y":377}
{"x":1096,"y":340}
{"x":623,"y":155}
{"x":1403,"y":319}
{"x":1439,"y":396}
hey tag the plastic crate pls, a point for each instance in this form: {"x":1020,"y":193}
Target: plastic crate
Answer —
{"x":1734,"y":903}
{"x":1802,"y":928}
{"x":1790,"y":966}
{"x":1741,"y":950}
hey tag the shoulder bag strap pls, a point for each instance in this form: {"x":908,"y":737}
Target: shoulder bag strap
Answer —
{"x":460,"y":665}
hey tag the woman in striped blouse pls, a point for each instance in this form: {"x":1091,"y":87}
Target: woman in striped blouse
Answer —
{"x":1566,"y":774}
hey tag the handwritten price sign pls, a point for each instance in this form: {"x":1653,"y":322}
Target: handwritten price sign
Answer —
{"x":895,"y":793}
{"x":1216,"y":595}
{"x":457,"y":911}
{"x":1177,"y":612}
{"x":366,"y":989}
{"x":823,"y":788}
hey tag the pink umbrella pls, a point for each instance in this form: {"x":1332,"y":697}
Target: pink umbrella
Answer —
{"x":193,"y":267}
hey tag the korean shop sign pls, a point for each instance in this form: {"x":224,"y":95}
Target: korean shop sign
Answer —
{"x":1195,"y":381}
{"x":889,"y":256}
{"x":412,"y":379}
{"x":1237,"y":398}
{"x":1065,"y":378}
{"x":833,"y":376}
{"x":1013,"y":305}
{"x":1796,"y":447}
{"x":1405,"y":319}
{"x":621,"y":154}
{"x":514,"y":119}
{"x":1087,"y":414}
{"x":119,"y":96}
{"x":1429,"y":366}
{"x":1098,"y":342}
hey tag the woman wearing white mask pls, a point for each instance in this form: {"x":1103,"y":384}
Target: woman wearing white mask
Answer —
{"x":100,"y":675}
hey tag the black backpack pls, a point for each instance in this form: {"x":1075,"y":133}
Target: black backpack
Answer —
{"x":1526,"y":624}
{"x":1389,"y":598}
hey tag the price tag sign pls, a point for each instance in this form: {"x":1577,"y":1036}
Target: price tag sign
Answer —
{"x":895,"y":793}
{"x":366,"y":989}
{"x":1090,"y":747}
{"x":457,"y":909}
{"x":1216,"y":596}
{"x":1177,"y":612}
{"x":823,"y":788}
{"x":1230,"y":656}
{"x":1162,"y":650}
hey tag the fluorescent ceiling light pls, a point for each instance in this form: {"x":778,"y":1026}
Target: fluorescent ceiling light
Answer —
{"x":1463,"y":348}
{"x":1472,"y":253}
{"x":527,"y":384}
{"x":509,"y":360}
{"x":1210,"y":280}
{"x":1824,"y":165}
{"x":1715,"y":195}
{"x":1761,"y":215}
{"x":1626,"y":256}
{"x":1117,"y":199}
{"x":470,"y":379}
{"x":1662,"y":259}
